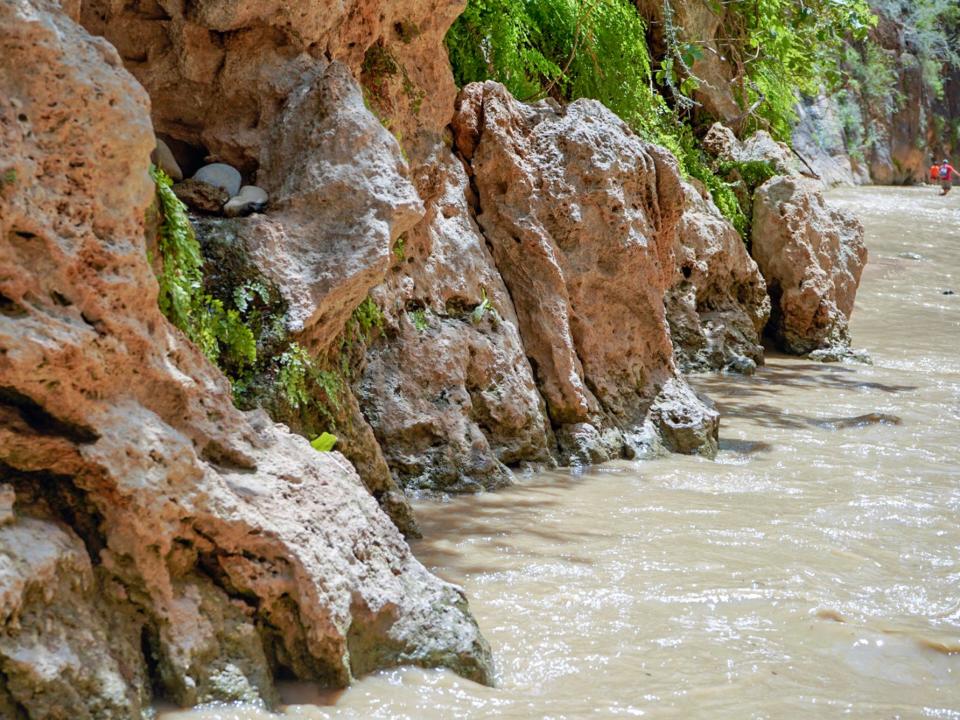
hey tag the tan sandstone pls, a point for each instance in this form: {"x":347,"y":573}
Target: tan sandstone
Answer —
{"x":447,"y":387}
{"x":718,"y":305}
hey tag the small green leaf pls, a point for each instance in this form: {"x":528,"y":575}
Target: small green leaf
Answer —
{"x":324,"y":442}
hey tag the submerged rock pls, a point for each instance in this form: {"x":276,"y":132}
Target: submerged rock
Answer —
{"x":811,"y":256}
{"x":718,"y":305}
{"x":581,"y":216}
{"x":163,"y":539}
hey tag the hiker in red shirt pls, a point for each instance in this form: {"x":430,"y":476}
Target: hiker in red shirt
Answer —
{"x":946,"y":174}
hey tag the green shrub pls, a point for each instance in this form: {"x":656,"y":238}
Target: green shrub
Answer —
{"x":295,"y":369}
{"x":783,"y":48}
{"x":485,"y":306}
{"x":419,"y":319}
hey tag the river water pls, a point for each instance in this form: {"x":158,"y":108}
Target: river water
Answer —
{"x":812,"y":571}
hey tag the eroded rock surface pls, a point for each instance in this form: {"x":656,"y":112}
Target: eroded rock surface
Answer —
{"x":581,"y":216}
{"x":219,"y":72}
{"x":721,"y":142}
{"x":340,"y":197}
{"x":718,"y":304}
{"x":811,"y":256}
{"x":201,"y":549}
{"x":447,"y":388}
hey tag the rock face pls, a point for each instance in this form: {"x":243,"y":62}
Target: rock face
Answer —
{"x":718,"y":304}
{"x":447,"y":388}
{"x":340,"y":197}
{"x":885,"y":141}
{"x":819,"y":137}
{"x":811,"y":256}
{"x":161,"y":537}
{"x":581,"y":216}
{"x":219,"y":72}
{"x":700,"y":23}
{"x":721,"y":142}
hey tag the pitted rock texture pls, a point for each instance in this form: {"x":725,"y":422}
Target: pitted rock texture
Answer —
{"x":219,"y":71}
{"x":811,"y":256}
{"x":718,"y":304}
{"x":340,"y":197}
{"x":721,"y":142}
{"x":203,"y":549}
{"x":581,"y":216}
{"x":447,"y":387}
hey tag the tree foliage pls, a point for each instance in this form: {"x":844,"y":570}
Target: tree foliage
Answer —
{"x":784,"y":47}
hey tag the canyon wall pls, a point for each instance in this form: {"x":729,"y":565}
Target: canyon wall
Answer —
{"x":888,"y":135}
{"x":468,"y":286}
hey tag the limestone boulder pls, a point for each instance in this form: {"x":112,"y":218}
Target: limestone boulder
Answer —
{"x":581,"y":217}
{"x":202,"y":548}
{"x":717,"y":306}
{"x":811,"y":256}
{"x":447,"y":387}
{"x":340,"y":196}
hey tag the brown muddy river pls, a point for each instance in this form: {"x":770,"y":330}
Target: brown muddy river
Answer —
{"x":812,"y":571}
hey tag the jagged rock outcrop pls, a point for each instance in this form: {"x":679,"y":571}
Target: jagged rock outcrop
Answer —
{"x":721,"y":142}
{"x":581,"y":217}
{"x":161,"y":537}
{"x":811,"y":256}
{"x":447,"y":388}
{"x":341,"y":196}
{"x":717,"y":306}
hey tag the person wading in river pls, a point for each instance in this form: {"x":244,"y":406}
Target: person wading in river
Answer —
{"x":946,"y":174}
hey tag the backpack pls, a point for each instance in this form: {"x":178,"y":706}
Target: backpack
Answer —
{"x":944,"y":172}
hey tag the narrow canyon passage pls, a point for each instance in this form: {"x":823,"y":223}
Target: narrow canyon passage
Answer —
{"x":812,"y":570}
